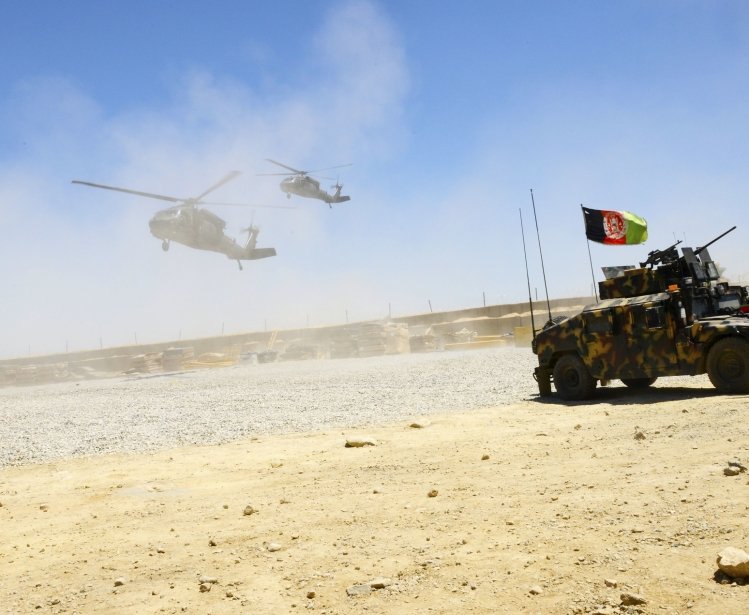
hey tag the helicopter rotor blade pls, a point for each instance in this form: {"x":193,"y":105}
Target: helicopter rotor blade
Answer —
{"x":218,"y":184}
{"x":222,"y":204}
{"x":338,"y":166}
{"x":273,"y":174}
{"x":150,"y":195}
{"x":285,"y":166}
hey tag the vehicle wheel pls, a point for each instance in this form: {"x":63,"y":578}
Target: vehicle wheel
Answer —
{"x":728,"y":365}
{"x":639,"y":383}
{"x":572,"y":379}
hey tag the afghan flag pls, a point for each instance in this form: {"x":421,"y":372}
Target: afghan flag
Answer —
{"x":614,"y":227}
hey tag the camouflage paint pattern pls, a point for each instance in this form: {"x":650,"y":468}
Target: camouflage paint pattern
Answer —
{"x":631,"y":283}
{"x":635,"y":337}
{"x":661,"y":319}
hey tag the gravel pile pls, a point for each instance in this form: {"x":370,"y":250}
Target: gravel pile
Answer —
{"x":149,"y":413}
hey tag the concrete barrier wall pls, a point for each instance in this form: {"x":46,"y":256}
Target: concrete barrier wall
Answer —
{"x":486,"y":320}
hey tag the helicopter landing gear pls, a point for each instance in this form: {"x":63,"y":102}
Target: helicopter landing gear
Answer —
{"x":240,"y":265}
{"x":288,"y":195}
{"x":165,"y":245}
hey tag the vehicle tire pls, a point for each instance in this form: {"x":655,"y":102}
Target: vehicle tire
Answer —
{"x":728,"y":365}
{"x":639,"y":383}
{"x":572,"y":379}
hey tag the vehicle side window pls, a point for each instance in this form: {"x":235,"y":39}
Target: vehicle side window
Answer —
{"x":655,"y":317}
{"x":598,"y":322}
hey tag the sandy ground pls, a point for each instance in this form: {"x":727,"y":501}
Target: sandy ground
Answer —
{"x":534,"y":508}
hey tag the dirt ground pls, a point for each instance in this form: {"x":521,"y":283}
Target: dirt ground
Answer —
{"x":538,"y":507}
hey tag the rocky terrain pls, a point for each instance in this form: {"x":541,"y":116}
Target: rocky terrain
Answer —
{"x":411,"y":484}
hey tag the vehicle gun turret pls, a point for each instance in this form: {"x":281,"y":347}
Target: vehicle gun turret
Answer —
{"x":664,"y":269}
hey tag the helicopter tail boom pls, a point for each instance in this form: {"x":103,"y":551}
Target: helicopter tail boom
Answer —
{"x":257,"y":253}
{"x":250,"y":252}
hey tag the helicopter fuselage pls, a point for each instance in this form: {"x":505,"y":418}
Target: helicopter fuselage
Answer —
{"x":196,"y":228}
{"x":308,"y":187}
{"x":202,"y":230}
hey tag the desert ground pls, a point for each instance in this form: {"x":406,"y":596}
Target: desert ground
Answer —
{"x":616,"y":505}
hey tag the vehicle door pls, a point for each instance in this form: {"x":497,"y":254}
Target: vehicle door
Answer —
{"x":651,"y":340}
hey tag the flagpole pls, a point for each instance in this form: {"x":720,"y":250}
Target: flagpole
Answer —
{"x":548,"y":305}
{"x":590,"y":258}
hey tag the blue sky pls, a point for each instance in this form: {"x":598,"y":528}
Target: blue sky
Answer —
{"x":449,"y":112}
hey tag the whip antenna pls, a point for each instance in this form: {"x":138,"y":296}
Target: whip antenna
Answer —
{"x":527,"y":277}
{"x":546,"y":290}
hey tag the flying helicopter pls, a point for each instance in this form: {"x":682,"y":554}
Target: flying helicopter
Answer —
{"x":197,"y":228}
{"x":300,"y":183}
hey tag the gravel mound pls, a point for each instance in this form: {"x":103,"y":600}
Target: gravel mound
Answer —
{"x":211,"y":406}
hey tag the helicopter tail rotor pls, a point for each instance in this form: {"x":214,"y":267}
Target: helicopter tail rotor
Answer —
{"x":252,"y":233}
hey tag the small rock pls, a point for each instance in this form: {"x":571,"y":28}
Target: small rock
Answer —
{"x":119,"y":581}
{"x":205,"y":587}
{"x":249,"y":510}
{"x":734,"y":562}
{"x":361,"y":589}
{"x":535,"y":590}
{"x":730,"y":471}
{"x":44,"y":508}
{"x":433,"y":493}
{"x":208,"y":580}
{"x":610,"y":582}
{"x":310,"y":595}
{"x":484,"y":457}
{"x":419,"y":424}
{"x":629,"y":599}
{"x":160,"y":549}
{"x":379,"y":583}
{"x":212,"y":543}
{"x":639,"y":435}
{"x":359,"y":442}
{"x":273,"y":547}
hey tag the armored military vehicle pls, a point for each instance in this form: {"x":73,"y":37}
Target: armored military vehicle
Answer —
{"x":670,"y":316}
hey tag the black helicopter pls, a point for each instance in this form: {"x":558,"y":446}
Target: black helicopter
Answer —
{"x":197,"y":228}
{"x":300,"y":183}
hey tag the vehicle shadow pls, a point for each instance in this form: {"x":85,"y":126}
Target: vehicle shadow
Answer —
{"x":623,"y":395}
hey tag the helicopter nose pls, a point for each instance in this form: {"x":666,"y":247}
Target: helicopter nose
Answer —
{"x":157,"y":227}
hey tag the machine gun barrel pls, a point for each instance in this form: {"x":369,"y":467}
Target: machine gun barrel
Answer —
{"x":709,"y":243}
{"x":657,"y":256}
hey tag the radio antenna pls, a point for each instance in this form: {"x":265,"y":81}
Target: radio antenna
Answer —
{"x":546,"y":289}
{"x":527,"y":277}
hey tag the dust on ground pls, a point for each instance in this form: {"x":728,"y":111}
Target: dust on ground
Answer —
{"x":537,"y":507}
